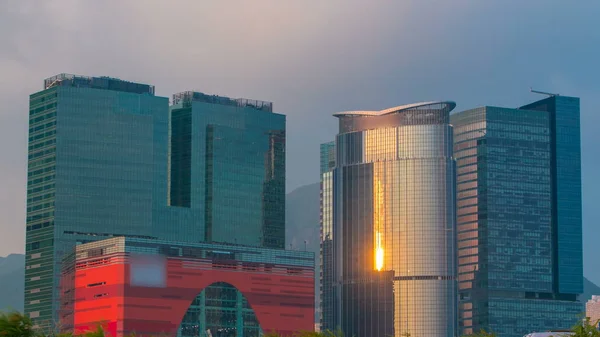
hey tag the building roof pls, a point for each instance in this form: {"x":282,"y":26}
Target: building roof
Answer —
{"x":102,"y":82}
{"x":449,"y":105}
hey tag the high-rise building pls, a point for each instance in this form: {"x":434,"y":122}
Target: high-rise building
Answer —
{"x":388,"y":223}
{"x":227,"y":161}
{"x":108,"y":158}
{"x":97,"y":152}
{"x":519,"y":217}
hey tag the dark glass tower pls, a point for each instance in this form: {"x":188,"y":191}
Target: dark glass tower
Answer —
{"x":97,"y":152}
{"x":519,"y":217}
{"x":388,"y":223}
{"x":228,"y":164}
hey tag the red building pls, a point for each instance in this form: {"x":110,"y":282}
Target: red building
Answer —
{"x":148,"y":287}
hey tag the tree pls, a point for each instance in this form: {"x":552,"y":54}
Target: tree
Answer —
{"x":98,"y":333}
{"x":326,"y":333}
{"x":586,"y":328}
{"x":15,"y":324}
{"x":481,"y":333}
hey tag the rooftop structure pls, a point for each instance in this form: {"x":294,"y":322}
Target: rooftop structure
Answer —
{"x":423,"y":113}
{"x":102,"y":82}
{"x":433,"y":105}
{"x":186,"y":97}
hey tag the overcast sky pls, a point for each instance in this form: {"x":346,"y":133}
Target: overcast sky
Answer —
{"x":311,"y":58}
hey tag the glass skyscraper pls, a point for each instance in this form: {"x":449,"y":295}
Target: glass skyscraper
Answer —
{"x":109,"y":158}
{"x":97,"y":146}
{"x":519,"y":217}
{"x":227,"y":162}
{"x":388,"y":223}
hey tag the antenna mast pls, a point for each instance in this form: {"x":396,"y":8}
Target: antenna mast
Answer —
{"x":542,"y":92}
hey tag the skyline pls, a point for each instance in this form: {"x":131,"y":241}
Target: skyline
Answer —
{"x":306,"y":82}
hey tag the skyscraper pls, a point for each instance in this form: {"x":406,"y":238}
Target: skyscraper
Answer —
{"x":388,"y":223}
{"x":97,"y":145}
{"x":519,"y":216}
{"x":108,"y":158}
{"x":228,"y":163}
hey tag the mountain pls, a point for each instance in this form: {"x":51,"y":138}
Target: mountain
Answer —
{"x":302,"y":208}
{"x":12,"y":278}
{"x":589,"y":289}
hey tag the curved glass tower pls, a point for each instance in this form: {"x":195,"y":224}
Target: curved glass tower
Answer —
{"x":388,"y":223}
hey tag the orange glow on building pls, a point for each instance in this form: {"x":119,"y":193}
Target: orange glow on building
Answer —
{"x":378,"y":216}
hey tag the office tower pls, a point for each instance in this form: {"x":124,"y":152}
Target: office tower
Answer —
{"x":143,"y":286}
{"x":388,"y":223}
{"x":228,"y":162}
{"x":519,"y":217}
{"x":96,"y":148}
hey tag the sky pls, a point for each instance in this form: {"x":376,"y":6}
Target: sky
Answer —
{"x":311,"y":58}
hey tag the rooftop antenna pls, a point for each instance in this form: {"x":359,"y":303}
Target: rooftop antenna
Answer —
{"x":542,"y":92}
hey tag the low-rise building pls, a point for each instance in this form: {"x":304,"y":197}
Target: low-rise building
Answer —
{"x":592,"y":309}
{"x":153,"y":287}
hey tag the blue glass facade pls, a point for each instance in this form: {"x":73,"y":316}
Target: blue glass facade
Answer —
{"x":508,"y":246}
{"x":97,"y":151}
{"x":228,"y":168}
{"x":566,"y":188}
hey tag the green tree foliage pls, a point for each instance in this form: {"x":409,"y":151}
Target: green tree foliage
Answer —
{"x":326,"y":333}
{"x":15,"y":324}
{"x":586,"y":328}
{"x":99,"y":332}
{"x":481,"y":333}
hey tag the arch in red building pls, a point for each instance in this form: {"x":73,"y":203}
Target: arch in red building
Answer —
{"x":282,"y":302}
{"x":226,"y":287}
